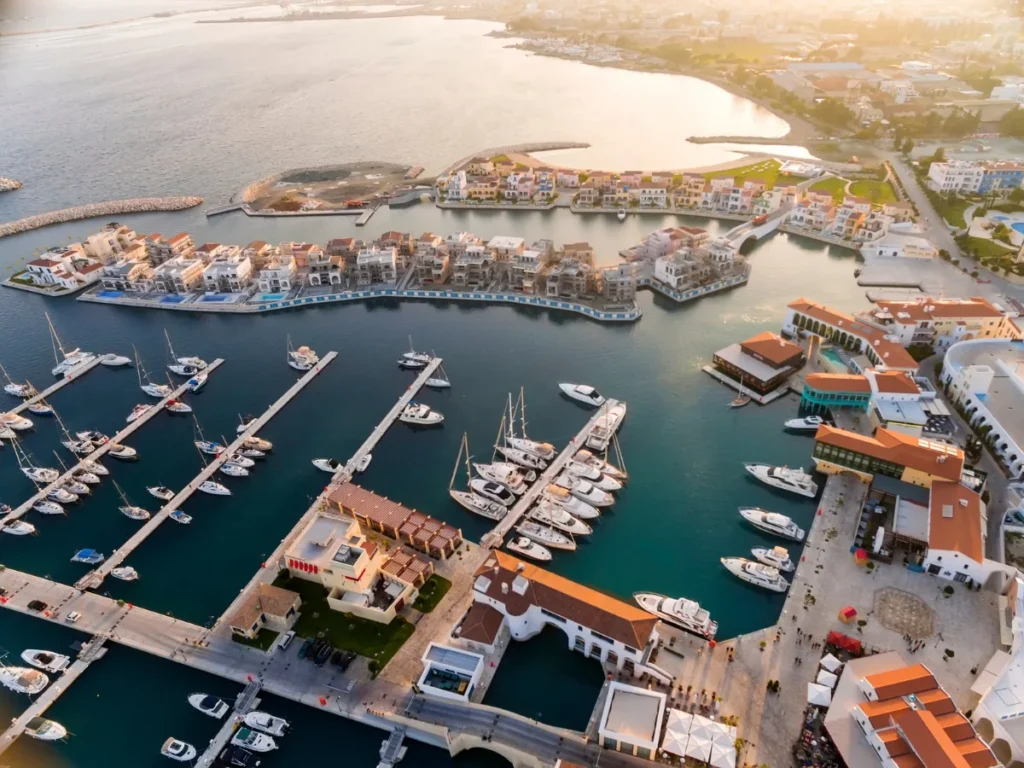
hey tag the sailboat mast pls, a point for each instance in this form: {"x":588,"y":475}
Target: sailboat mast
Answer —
{"x":56,"y":338}
{"x":511,"y":417}
{"x":138,"y":364}
{"x":458,"y":460}
{"x":6,"y":377}
{"x":169,"y":345}
{"x":522,"y":406}
{"x":469,"y":473}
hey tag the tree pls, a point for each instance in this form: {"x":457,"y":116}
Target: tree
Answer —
{"x":833,"y":112}
{"x":1012,"y":123}
{"x":908,"y":146}
{"x":1017,"y":195}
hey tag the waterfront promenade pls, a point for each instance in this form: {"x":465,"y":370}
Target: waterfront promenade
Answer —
{"x":76,"y":374}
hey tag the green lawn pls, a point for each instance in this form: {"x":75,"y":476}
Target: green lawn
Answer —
{"x":766,"y":170}
{"x":263,"y":640}
{"x":953,"y":210}
{"x":431,"y":593}
{"x":878,"y":192}
{"x":745,"y":49}
{"x":378,"y":642}
{"x":833,"y":186}
{"x":987,"y":250}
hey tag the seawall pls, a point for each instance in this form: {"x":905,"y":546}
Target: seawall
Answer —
{"x":110,"y":208}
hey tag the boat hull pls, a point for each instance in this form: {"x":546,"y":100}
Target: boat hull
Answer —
{"x":650,"y":602}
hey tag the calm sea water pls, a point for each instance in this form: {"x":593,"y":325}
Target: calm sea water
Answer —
{"x":103,"y":114}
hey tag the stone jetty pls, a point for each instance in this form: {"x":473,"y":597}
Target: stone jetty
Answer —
{"x":110,"y":208}
{"x":9,"y":185}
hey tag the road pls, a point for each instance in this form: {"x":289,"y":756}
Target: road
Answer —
{"x":934,"y":225}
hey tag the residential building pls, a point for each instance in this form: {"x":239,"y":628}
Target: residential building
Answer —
{"x":455,"y":188}
{"x":278,"y":274}
{"x":525,"y":267}
{"x":913,"y":460}
{"x":432,"y":260}
{"x":652,"y":194}
{"x":303,"y":253}
{"x":506,"y":248}
{"x":228,"y":274}
{"x":825,"y":391}
{"x":956,"y":176}
{"x":180,"y":274}
{"x":568,"y":279}
{"x":377,"y":266}
{"x":259,"y":253}
{"x":691,"y":191}
{"x":347,"y":250}
{"x":631,"y":179}
{"x":323,"y":268}
{"x":473,"y":267}
{"x":956,"y":535}
{"x":484,"y":188}
{"x":1001,"y":178}
{"x":568,"y":178}
{"x":762,"y":363}
{"x":582,"y":252}
{"x":898,"y":211}
{"x":617,"y":284}
{"x":943,"y":322}
{"x":265,"y":607}
{"x":480,"y":166}
{"x":210,"y":251}
{"x":109,"y":243}
{"x":682,"y":270}
{"x":127,"y":275}
{"x":589,"y":194}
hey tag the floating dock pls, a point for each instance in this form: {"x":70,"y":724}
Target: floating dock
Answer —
{"x":95,"y":577}
{"x":76,"y":374}
{"x":245,"y":703}
{"x":158,"y":407}
{"x":365,"y":216}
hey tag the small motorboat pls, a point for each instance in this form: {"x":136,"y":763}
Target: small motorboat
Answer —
{"x":197,"y":382}
{"x":582,"y":393}
{"x":527,"y":547}
{"x":40,"y":409}
{"x":522,"y":458}
{"x":332,"y":466}
{"x":122,"y":452}
{"x":61,"y":496}
{"x":561,"y":497}
{"x":478,"y":505}
{"x":92,"y":436}
{"x":180,"y":517}
{"x":178,"y":750}
{"x":88,"y":556}
{"x":261,"y":721}
{"x":182,"y":370}
{"x":234,"y":470}
{"x":46,"y":660}
{"x":214,"y":489}
{"x":621,"y":215}
{"x":777,"y":557}
{"x":161,"y":492}
{"x":15,"y":422}
{"x":253,"y":453}
{"x":806,"y":424}
{"x":209,"y":447}
{"x":79,"y":447}
{"x":43,"y":475}
{"x":364,"y":462}
{"x":125,"y":573}
{"x":23,"y":679}
{"x":137,"y":412}
{"x":209,"y":705}
{"x":493,"y":491}
{"x":45,"y":730}
{"x":251,"y":739}
{"x":18,"y":528}
{"x":48,"y":508}
{"x":85,"y":476}
{"x":115,"y":361}
{"x":76,"y":487}
{"x":176,"y":406}
{"x":94,"y":468}
{"x":240,"y":460}
{"x":420,"y":415}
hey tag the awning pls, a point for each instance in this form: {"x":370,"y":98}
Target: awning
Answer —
{"x":830,"y":662}
{"x":819,"y":695}
{"x":845,"y":642}
{"x":723,"y":747}
{"x":701,"y":736}
{"x":677,"y":728}
{"x":827,"y":678}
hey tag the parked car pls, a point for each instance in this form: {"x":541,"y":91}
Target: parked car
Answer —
{"x":72,"y":617}
{"x":285,"y":640}
{"x":306,"y":645}
{"x":324,"y":654}
{"x":343,"y":659}
{"x":37,"y":605}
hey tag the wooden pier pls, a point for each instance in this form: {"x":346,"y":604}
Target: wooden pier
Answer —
{"x":26,"y":506}
{"x":496,"y":536}
{"x":76,"y":374}
{"x":95,"y":577}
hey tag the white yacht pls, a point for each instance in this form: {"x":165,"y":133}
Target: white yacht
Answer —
{"x":253,"y":453}
{"x":209,"y":447}
{"x":122,"y":452}
{"x":178,"y":750}
{"x":45,"y":730}
{"x":544,"y":451}
{"x":621,"y":215}
{"x":584,"y":393}
{"x":92,"y":436}
{"x":492,"y":490}
{"x":115,"y":361}
{"x":262,"y":721}
{"x":772,"y":522}
{"x":776,"y":557}
{"x":180,"y":517}
{"x":125,"y":573}
{"x":40,"y":474}
{"x":411,"y":365}
{"x":679,"y":612}
{"x":39,"y":408}
{"x":23,"y":679}
{"x":522,"y":458}
{"x":18,"y":528}
{"x":584,"y":490}
{"x":784,"y":478}
{"x":182,"y":370}
{"x":67,"y":360}
{"x":177,"y":406}
{"x":301,"y":359}
{"x":478,"y":505}
{"x":234,"y":470}
{"x":560,"y":497}
{"x":48,"y":507}
{"x":420,"y":414}
{"x":61,"y":496}
{"x":16,"y":390}
{"x":183,"y":366}
{"x":161,"y":492}
{"x":197,"y":382}
{"x":94,"y":468}
{"x":363,"y":464}
{"x":85,"y":476}
{"x":414,"y":356}
{"x":253,"y":740}
{"x":241,"y":461}
{"x":76,"y":487}
{"x":214,"y":489}
{"x":159,"y":391}
{"x":209,"y":705}
{"x":137,"y":412}
{"x":607,"y":425}
{"x":135,"y":513}
{"x":15,"y":422}
{"x":78,"y":447}
{"x":527,"y":547}
{"x":755,"y":573}
{"x":545,"y":535}
{"x":556,"y":517}
{"x":806,"y":424}
{"x":509,"y":475}
{"x":46,"y":660}
{"x":590,"y":471}
{"x":331,"y":466}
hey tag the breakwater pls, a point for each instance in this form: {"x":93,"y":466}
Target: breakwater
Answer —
{"x":110,"y":208}
{"x":9,"y":185}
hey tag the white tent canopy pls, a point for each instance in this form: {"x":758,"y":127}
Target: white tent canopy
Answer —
{"x":701,"y":736}
{"x":819,"y":695}
{"x":827,"y":678}
{"x":723,"y":746}
{"x":676,"y":730}
{"x":830,"y":662}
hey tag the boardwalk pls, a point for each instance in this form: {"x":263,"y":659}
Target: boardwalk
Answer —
{"x":94,"y":578}
{"x":24,"y":507}
{"x":76,"y":374}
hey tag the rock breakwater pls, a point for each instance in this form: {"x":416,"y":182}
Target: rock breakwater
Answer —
{"x":110,"y":208}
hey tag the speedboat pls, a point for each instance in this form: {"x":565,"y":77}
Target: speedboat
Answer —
{"x":125,"y":573}
{"x":261,"y":721}
{"x":46,"y":660}
{"x":122,"y":452}
{"x":78,"y":447}
{"x":88,"y":556}
{"x":556,"y":517}
{"x":214,"y":489}
{"x":364,"y":463}
{"x":95,"y":468}
{"x":209,"y":705}
{"x":544,"y":451}
{"x":527,"y":547}
{"x":522,"y":458}
{"x":182,"y":370}
{"x":776,"y":557}
{"x":806,"y":424}
{"x":178,"y":750}
{"x":606,"y":427}
{"x":85,"y":476}
{"x":421,"y":415}
{"x":584,"y":490}
{"x":258,"y":442}
{"x":240,"y":460}
{"x":411,"y":365}
{"x":161,"y":492}
{"x":93,"y":436}
{"x":244,"y":425}
{"x":784,"y":478}
{"x":492,"y":510}
{"x":44,"y":507}
{"x":209,"y":447}
{"x":159,"y":391}
{"x":19,"y":390}
{"x":197,"y":382}
{"x":115,"y":361}
{"x":40,"y":474}
{"x":545,"y":535}
{"x":772,"y":522}
{"x":137,"y":412}
{"x":76,"y":487}
{"x":592,"y":475}
{"x":253,"y":740}
{"x":621,"y":215}
{"x":492,"y":490}
{"x":39,"y":408}
{"x":133,"y":512}
{"x":61,"y":496}
{"x":23,"y":679}
{"x":583,"y":393}
{"x":560,"y":497}
{"x":328,"y":465}
{"x":679,"y":612}
{"x":15,"y":422}
{"x":45,"y":730}
{"x":755,"y":573}
{"x":18,"y":528}
{"x":509,"y":475}
{"x":252,"y":453}
{"x":234,"y":470}
{"x":176,"y":406}
{"x":180,"y":517}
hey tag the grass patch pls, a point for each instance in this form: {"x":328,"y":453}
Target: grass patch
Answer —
{"x":378,"y":642}
{"x":986,"y":250}
{"x":878,"y":192}
{"x":953,"y":210}
{"x":765,"y":170}
{"x":833,"y":186}
{"x":741,"y":49}
{"x":431,"y":593}
{"x":263,"y":640}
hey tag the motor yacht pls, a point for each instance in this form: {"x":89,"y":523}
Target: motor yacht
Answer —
{"x":39,"y":408}
{"x":331,"y":466}
{"x":159,"y":391}
{"x":88,"y":556}
{"x":78,"y":447}
{"x":85,"y":476}
{"x":209,"y":705}
{"x":755,"y":573}
{"x":40,"y":474}
{"x":544,"y":451}
{"x":527,"y":547}
{"x":621,"y":215}
{"x":18,"y":528}
{"x":252,"y":453}
{"x":584,"y":490}
{"x":180,"y":517}
{"x":420,"y":415}
{"x":492,"y":490}
{"x":133,"y":512}
{"x":17,"y":390}
{"x":301,"y":359}
{"x":784,"y":478}
{"x":262,"y":721}
{"x":253,"y":740}
{"x":560,"y":497}
{"x":582,"y":393}
{"x":234,"y":470}
{"x":209,"y":447}
{"x":161,"y":492}
{"x":363,"y":464}
{"x":178,"y":750}
{"x":176,"y":406}
{"x":522,"y":458}
{"x":806,"y":424}
{"x":46,"y":660}
{"x":509,"y":475}
{"x":115,"y":361}
{"x":197,"y":382}
{"x":182,"y":370}
{"x":76,"y":487}
{"x":478,"y":505}
{"x":15,"y":422}
{"x":23,"y":680}
{"x":556,"y":517}
{"x":137,"y":412}
{"x":45,"y":730}
{"x":679,"y":612}
{"x":92,"y":436}
{"x":545,"y":535}
{"x":214,"y":489}
{"x":241,"y":461}
{"x":61,"y":496}
{"x":607,"y":425}
{"x":776,"y":557}
{"x":258,"y":443}
{"x":125,"y":573}
{"x":772,"y":522}
{"x":585,"y":471}
{"x":44,"y":507}
{"x":122,"y":452}
{"x":94,"y":468}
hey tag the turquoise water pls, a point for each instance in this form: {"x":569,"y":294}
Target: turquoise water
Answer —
{"x":835,"y":362}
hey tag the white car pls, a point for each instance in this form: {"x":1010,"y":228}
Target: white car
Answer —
{"x":72,"y":617}
{"x":286,"y":640}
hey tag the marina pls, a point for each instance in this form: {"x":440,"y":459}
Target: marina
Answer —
{"x":40,"y":397}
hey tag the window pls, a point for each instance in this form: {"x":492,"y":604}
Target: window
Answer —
{"x":601,"y":637}
{"x":554,"y":616}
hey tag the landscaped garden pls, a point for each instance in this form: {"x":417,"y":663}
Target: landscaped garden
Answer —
{"x":765,"y":170}
{"x":833,"y":186}
{"x":431,"y":593}
{"x":878,"y":192}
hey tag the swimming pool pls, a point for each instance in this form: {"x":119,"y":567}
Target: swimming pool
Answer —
{"x":832,"y":360}
{"x":1018,"y":227}
{"x":272,"y":296}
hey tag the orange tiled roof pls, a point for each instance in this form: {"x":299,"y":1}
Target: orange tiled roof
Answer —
{"x":937,"y":459}
{"x":891,"y":352}
{"x":934,"y":700}
{"x":895,"y":383}
{"x":771,"y":347}
{"x":902,"y":681}
{"x":929,"y":742}
{"x":929,"y":308}
{"x":838,"y":382}
{"x":955,"y":520}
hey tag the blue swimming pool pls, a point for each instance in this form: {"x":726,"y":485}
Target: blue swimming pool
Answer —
{"x":172,"y":299}
{"x":215,"y":298}
{"x":1018,"y":227}
{"x":110,"y":294}
{"x":272,"y":296}
{"x":832,"y":360}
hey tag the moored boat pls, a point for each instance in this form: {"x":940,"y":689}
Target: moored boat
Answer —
{"x":44,"y":507}
{"x":772,"y":522}
{"x":18,"y":528}
{"x":806,"y":424}
{"x":209,"y":705}
{"x":262,"y":721}
{"x":758,"y":574}
{"x":209,"y":447}
{"x":509,"y":475}
{"x":576,"y":507}
{"x":364,"y":462}
{"x":138,"y":412}
{"x":122,"y":452}
{"x":177,"y":406}
{"x":178,"y":750}
{"x":197,"y":382}
{"x":258,"y":442}
{"x":478,"y":505}
{"x":125,"y":573}
{"x":522,"y":458}
{"x":48,"y":661}
{"x":421,"y":415}
{"x":85,"y":476}
{"x":214,"y":489}
{"x":606,"y":426}
{"x":331,"y":466}
{"x":584,"y":490}
{"x":544,"y":451}
{"x":39,"y":408}
{"x":527,"y":547}
{"x":61,"y":496}
{"x":492,"y":490}
{"x":301,"y":359}
{"x":88,"y":556}
{"x":15,"y":422}
{"x":252,"y":739}
{"x":234,"y":470}
{"x":583,"y":393}
{"x":23,"y":679}
{"x":679,"y":612}
{"x":115,"y":361}
{"x":45,"y":730}
{"x":94,"y":468}
{"x":546,"y":535}
{"x":777,"y":557}
{"x":161,"y":492}
{"x":556,"y":517}
{"x":785,"y":479}
{"x":180,"y":517}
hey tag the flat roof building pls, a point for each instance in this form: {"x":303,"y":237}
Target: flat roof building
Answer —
{"x":762,"y":363}
{"x":631,"y":720}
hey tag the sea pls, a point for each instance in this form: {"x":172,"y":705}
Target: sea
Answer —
{"x":141,"y":106}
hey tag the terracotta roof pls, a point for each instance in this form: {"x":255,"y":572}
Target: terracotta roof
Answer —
{"x":208,"y":246}
{"x":43,"y":263}
{"x":263,"y":599}
{"x":88,"y":268}
{"x":771,"y":347}
{"x":895,"y":383}
{"x":929,"y":742}
{"x":891,"y":352}
{"x":878,"y":713}
{"x":585,"y":606}
{"x":408,"y":566}
{"x":832,"y":84}
{"x":154,"y":237}
{"x":901,"y":682}
{"x":583,"y":246}
{"x":482,"y":624}
{"x":693,"y":231}
{"x":256,"y":245}
{"x":389,"y":514}
{"x":392,"y":236}
{"x":838,"y":382}
{"x":928,"y":309}
{"x":937,"y":459}
{"x":178,"y":238}
{"x":955,"y":514}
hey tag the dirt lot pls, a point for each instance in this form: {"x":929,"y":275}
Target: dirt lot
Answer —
{"x":330,"y":187}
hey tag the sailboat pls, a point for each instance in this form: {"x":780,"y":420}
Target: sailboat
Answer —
{"x":742,"y":398}
{"x":478,"y":505}
{"x":67,"y":360}
{"x":38,"y":407}
{"x":39,"y":475}
{"x":301,"y":359}
{"x":207,"y":446}
{"x":158,"y":391}
{"x":439,"y":380}
{"x":412,"y":359}
{"x":128,"y":509}
{"x":77,"y":446}
{"x":183,"y":366}
{"x":18,"y":390}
